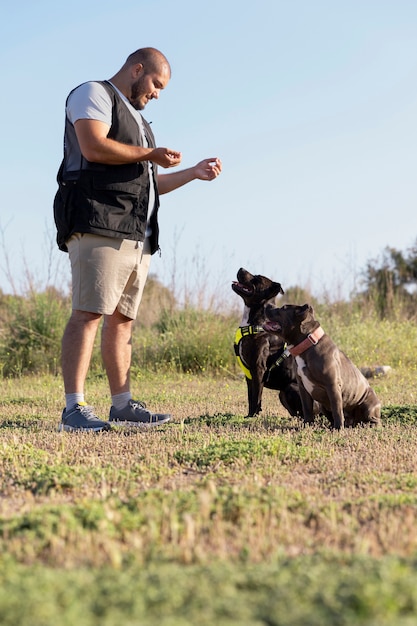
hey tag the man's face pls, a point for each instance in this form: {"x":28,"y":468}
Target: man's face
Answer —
{"x":147,"y":86}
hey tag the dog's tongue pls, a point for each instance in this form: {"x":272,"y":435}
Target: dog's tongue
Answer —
{"x":272,"y":327}
{"x":247,"y":288}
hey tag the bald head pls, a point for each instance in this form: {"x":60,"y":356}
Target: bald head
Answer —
{"x":151,"y":59}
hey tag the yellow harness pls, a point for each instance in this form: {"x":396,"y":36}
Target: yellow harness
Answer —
{"x":245,"y":331}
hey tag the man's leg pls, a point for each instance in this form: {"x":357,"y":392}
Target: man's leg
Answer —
{"x":116,"y":351}
{"x":77,"y":348}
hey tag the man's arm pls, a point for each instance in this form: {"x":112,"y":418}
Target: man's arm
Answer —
{"x":208,"y":169}
{"x":96,"y":147}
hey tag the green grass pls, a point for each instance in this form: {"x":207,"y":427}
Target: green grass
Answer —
{"x":292,"y":592}
{"x":211,"y":519}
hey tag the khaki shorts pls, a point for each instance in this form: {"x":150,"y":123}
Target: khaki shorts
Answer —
{"x":107,"y":273}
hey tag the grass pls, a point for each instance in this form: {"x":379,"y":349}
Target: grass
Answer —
{"x":211,"y":519}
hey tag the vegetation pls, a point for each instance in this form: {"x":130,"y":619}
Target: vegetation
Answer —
{"x":391,"y":280}
{"x":213,"y":518}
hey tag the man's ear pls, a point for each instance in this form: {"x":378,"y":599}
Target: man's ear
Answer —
{"x":137,"y":70}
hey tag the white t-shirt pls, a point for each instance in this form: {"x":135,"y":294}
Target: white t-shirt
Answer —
{"x":90,"y":101}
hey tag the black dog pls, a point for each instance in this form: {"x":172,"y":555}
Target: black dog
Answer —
{"x":260,"y":353}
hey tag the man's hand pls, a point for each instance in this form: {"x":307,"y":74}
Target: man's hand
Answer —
{"x":208,"y":169}
{"x":165,"y":157}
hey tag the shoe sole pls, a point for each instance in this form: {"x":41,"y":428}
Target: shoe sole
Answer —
{"x":138,"y":424}
{"x":71,"y":429}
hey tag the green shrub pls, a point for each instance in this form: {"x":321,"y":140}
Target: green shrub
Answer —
{"x":31,"y":332}
{"x":187,"y":340}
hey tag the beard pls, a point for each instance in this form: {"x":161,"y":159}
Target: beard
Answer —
{"x":137,"y":91}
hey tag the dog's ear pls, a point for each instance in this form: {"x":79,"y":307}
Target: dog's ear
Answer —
{"x":305,"y":315}
{"x":305,"y":311}
{"x":280,"y":289}
{"x":302,"y":311}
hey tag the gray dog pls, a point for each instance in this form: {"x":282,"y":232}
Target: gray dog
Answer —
{"x":324,"y":372}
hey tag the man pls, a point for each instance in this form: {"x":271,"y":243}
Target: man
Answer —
{"x":106,"y":212}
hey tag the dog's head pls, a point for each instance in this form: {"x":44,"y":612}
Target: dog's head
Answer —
{"x":255,"y":289}
{"x":289,"y":319}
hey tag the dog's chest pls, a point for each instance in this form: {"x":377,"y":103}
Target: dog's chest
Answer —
{"x":301,"y":366}
{"x":245,"y":316}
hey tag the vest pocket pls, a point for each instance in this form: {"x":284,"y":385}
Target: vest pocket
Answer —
{"x":64,"y":212}
{"x":118,"y":207}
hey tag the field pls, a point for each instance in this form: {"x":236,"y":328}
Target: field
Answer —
{"x":213,"y":518}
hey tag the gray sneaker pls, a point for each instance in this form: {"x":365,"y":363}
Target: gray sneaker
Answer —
{"x":81,"y":417}
{"x":136,"y":414}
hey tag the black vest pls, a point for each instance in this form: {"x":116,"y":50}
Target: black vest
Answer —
{"x":107,"y":200}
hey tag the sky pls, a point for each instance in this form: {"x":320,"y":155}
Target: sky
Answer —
{"x":310,"y":104}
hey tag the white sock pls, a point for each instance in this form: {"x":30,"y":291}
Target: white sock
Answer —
{"x":121,"y":400}
{"x":71,"y":399}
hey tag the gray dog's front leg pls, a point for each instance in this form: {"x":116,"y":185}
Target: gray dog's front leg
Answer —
{"x":307,"y":404}
{"x":336,"y":405}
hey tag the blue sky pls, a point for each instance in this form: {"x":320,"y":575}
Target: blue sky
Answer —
{"x":311,"y":105}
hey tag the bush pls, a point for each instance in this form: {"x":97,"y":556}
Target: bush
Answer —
{"x":31,"y":332}
{"x":187,"y":340}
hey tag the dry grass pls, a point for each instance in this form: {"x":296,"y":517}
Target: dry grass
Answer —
{"x":210,"y":485}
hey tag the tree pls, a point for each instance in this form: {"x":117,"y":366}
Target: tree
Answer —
{"x":391,"y":280}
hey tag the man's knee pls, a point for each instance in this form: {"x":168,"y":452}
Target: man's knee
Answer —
{"x":84,"y":317}
{"x":117,"y":319}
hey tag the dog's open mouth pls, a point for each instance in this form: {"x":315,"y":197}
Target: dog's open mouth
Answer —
{"x":272,"y":327}
{"x":247,"y":289}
